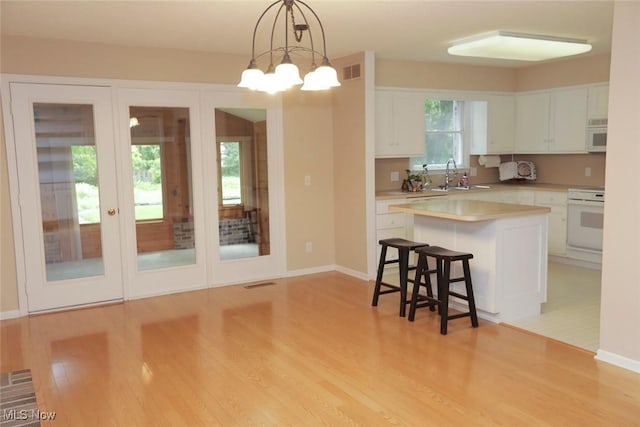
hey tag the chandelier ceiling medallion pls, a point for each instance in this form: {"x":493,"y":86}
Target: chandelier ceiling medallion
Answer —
{"x":295,"y":17}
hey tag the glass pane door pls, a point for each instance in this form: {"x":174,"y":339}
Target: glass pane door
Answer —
{"x":243,"y":185}
{"x":69,"y":190}
{"x":70,"y":222}
{"x":162,"y":190}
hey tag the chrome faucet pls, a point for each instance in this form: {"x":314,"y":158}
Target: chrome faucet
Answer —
{"x":447,"y":177}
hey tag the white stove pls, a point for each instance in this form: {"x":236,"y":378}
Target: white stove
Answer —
{"x":585,"y":221}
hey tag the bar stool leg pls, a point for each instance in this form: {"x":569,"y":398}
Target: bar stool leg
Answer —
{"x":470,"y":298}
{"x":403,"y":256}
{"x":416,"y":287}
{"x":376,"y":292}
{"x":443,"y":294}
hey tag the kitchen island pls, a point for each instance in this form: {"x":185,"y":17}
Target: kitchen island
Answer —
{"x":509,"y":244}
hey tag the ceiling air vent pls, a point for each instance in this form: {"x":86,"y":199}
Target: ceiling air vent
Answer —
{"x":351,"y":72}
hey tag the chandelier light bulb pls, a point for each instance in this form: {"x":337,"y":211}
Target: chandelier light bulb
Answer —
{"x":287,"y":74}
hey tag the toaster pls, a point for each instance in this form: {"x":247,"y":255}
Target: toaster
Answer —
{"x":517,"y":170}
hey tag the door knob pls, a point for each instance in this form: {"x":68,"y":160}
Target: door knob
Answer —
{"x":111,"y":211}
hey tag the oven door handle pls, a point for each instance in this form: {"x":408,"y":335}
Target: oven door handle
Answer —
{"x":593,"y":203}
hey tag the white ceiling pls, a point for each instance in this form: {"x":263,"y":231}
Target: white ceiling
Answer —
{"x":404,"y":30}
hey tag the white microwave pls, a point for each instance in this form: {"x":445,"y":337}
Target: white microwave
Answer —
{"x":597,"y":135}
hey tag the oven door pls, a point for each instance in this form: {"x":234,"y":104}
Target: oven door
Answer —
{"x":584,"y":225}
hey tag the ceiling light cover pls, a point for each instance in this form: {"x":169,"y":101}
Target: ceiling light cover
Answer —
{"x":520,"y":47}
{"x":286,"y":74}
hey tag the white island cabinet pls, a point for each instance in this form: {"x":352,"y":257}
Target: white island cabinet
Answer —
{"x":509,"y":247}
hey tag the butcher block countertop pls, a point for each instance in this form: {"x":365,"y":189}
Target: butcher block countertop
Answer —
{"x":467,"y":210}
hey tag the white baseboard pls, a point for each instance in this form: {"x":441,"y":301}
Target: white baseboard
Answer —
{"x":617,"y":360}
{"x":11,"y":314}
{"x":306,"y":271}
{"x":326,"y":268}
{"x":353,"y":273}
{"x":576,"y":262}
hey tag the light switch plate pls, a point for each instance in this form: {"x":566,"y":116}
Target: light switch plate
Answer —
{"x":395,"y":176}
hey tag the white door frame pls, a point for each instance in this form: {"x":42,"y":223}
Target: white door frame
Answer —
{"x":45,"y":294}
{"x":211,"y":95}
{"x":256,"y":268}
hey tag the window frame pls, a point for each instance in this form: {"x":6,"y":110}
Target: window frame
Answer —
{"x":242,"y":141}
{"x":415,"y":163}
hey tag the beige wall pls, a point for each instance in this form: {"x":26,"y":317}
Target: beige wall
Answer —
{"x":23,"y":55}
{"x":568,"y":72}
{"x":349,"y":169}
{"x":620,"y":305}
{"x":8,"y":289}
{"x":431,"y":75}
{"x":308,"y":135}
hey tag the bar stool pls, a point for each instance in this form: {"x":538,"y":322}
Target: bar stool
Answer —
{"x":444,"y":258}
{"x":404,"y":247}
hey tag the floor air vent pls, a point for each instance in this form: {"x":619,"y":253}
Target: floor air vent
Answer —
{"x":259,"y":285}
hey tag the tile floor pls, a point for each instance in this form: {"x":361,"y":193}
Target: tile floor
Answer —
{"x":572,"y":311}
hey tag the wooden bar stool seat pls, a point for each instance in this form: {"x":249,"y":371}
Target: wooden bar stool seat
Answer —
{"x":443,"y":257}
{"x":404,"y":247}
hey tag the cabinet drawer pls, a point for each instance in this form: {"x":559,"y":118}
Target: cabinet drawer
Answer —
{"x":551,"y":198}
{"x":382,"y":206}
{"x":390,"y":220}
{"x":388,"y":233}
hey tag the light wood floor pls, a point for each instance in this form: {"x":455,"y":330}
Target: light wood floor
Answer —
{"x":305,"y":351}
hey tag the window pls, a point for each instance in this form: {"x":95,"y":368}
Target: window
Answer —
{"x":230,"y":173}
{"x":147,"y":181}
{"x":444,"y":135}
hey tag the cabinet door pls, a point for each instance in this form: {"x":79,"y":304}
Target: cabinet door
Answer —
{"x":569,"y":121}
{"x":385,"y":144}
{"x":408,"y":118}
{"x":399,"y":124}
{"x":501,"y":119}
{"x":598,"y":102}
{"x":532,"y":123}
{"x":557,"y":202}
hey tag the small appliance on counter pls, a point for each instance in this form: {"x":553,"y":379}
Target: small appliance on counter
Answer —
{"x":517,"y":170}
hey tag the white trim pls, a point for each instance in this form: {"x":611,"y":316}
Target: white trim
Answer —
{"x":353,"y":273}
{"x":202,"y":90}
{"x":11,"y":314}
{"x":307,"y":271}
{"x":370,"y":157}
{"x":617,"y":360}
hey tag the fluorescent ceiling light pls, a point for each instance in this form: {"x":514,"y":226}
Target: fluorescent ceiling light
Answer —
{"x":520,"y":47}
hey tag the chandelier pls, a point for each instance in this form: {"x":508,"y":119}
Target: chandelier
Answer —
{"x":286,"y":74}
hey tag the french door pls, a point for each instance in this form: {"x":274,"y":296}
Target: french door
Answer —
{"x":68,"y":195}
{"x":127,"y":192}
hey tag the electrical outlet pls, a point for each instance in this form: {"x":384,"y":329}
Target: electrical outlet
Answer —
{"x":307,"y":180}
{"x":395,"y":176}
{"x":587,"y":171}
{"x":473,"y":171}
{"x":308,"y":247}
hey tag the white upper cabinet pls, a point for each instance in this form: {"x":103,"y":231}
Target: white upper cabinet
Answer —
{"x":551,"y":122}
{"x":399,"y":127}
{"x":493,"y":124}
{"x":598,"y":102}
{"x":532,"y":123}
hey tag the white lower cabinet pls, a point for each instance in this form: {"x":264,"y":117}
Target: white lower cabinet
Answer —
{"x":389,"y":224}
{"x":557,"y":202}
